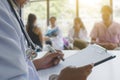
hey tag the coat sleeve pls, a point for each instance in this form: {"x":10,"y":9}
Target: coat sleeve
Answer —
{"x":12,"y":62}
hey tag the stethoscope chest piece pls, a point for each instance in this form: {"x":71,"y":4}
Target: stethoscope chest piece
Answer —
{"x":31,"y":54}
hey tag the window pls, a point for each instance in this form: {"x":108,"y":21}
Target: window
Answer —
{"x":89,"y":11}
{"x":116,"y":9}
{"x":65,"y":12}
{"x":39,"y":9}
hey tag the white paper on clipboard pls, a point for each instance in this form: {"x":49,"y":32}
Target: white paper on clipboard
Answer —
{"x":92,"y":54}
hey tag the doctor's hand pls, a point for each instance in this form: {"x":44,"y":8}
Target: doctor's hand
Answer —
{"x":49,"y":60}
{"x":75,"y":73}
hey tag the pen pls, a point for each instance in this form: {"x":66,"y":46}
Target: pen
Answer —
{"x":52,"y":50}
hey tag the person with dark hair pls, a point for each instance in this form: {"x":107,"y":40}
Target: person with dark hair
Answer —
{"x":106,"y":33}
{"x":78,"y":34}
{"x":33,"y":31}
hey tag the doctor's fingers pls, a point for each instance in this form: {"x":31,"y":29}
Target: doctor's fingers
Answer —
{"x":56,"y":61}
{"x":86,"y":70}
{"x":88,"y":67}
{"x":56,"y":55}
{"x":48,"y":65}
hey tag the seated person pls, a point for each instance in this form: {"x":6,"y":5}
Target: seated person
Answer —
{"x":78,"y":34}
{"x":54,"y":35}
{"x":33,"y":31}
{"x":106,"y":33}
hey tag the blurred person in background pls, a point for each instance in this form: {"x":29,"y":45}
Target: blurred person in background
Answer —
{"x":34,"y":31}
{"x":54,"y":35}
{"x":78,"y":34}
{"x":106,"y":33}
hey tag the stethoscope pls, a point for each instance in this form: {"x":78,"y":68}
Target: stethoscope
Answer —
{"x":30,"y":52}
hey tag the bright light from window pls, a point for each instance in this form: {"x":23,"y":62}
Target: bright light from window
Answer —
{"x":89,"y":11}
{"x":90,"y":2}
{"x":71,"y":1}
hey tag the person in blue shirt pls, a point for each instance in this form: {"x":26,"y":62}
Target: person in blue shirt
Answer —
{"x":14,"y":64}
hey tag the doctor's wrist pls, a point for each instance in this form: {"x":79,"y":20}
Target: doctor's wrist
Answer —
{"x":37,"y":64}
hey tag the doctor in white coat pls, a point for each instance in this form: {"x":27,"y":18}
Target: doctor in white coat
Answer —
{"x":14,"y":64}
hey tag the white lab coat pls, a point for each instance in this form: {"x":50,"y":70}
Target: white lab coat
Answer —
{"x":13,"y":62}
{"x":82,"y":35}
{"x":57,"y":42}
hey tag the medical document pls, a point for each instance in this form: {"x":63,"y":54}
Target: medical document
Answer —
{"x":92,"y":54}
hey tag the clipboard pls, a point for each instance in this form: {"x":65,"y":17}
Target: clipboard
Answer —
{"x":106,"y":59}
{"x":92,"y":54}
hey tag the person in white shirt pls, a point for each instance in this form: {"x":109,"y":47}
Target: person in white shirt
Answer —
{"x":57,"y":38}
{"x":78,"y":34}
